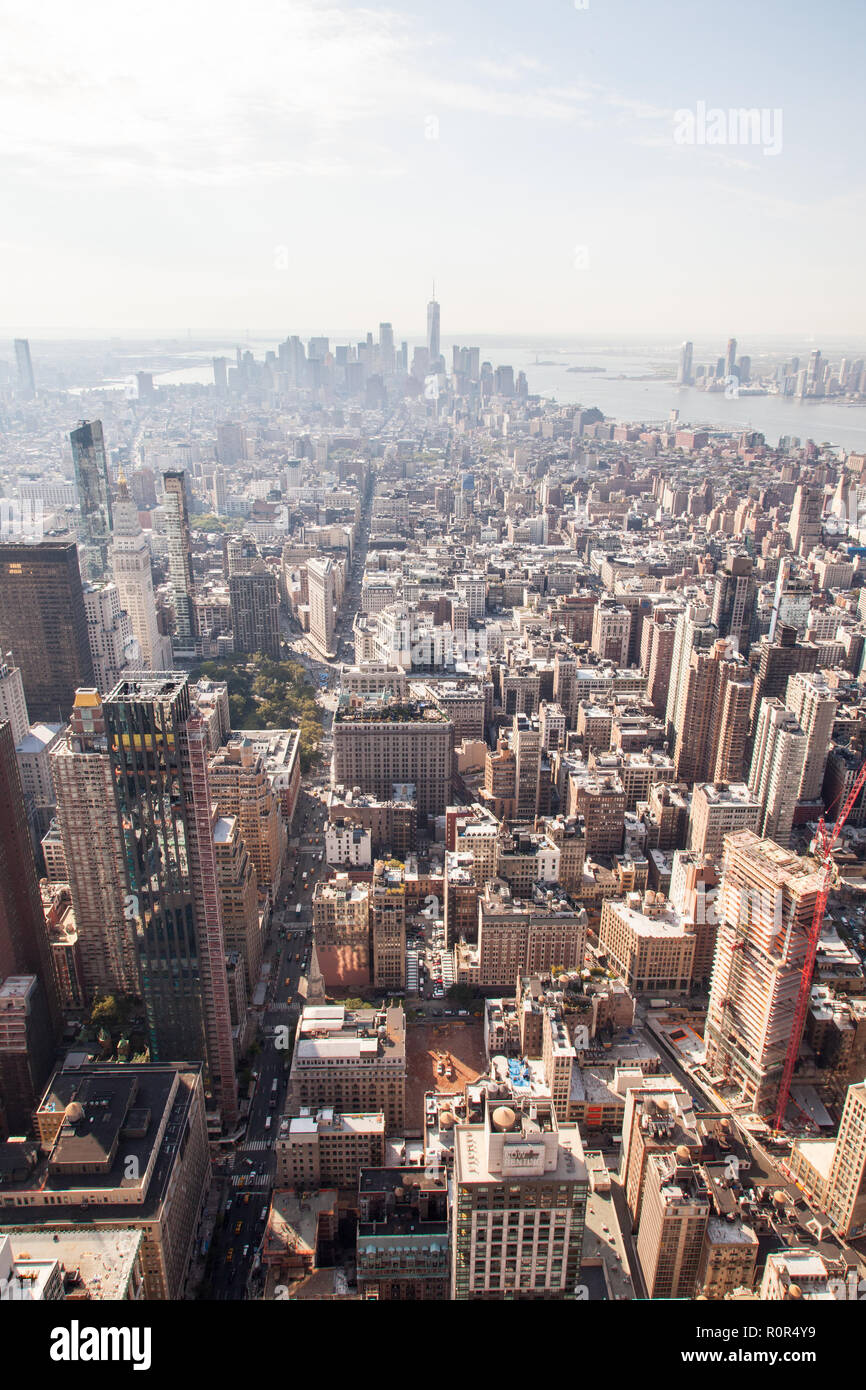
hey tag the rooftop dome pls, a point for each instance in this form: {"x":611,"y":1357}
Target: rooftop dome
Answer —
{"x":504,"y":1117}
{"x":74,"y":1112}
{"x":683,"y":1153}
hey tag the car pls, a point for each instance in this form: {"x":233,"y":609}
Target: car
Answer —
{"x":239,"y":1226}
{"x":246,"y":1252}
{"x":230,"y":1256}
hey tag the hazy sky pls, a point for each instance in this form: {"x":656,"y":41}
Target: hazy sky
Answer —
{"x":285,"y":165}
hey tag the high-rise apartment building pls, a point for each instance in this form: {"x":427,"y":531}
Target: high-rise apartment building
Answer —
{"x":717,"y":811}
{"x":711,"y":722}
{"x":693,"y":631}
{"x":130,"y":568}
{"x":255,"y":602}
{"x":846,"y":1188}
{"x":159,"y":758}
{"x":44,"y":625}
{"x":765,"y":907}
{"x":611,"y":628}
{"x":776,"y":773}
{"x":242,"y":927}
{"x":811,"y":700}
{"x":521,"y":1187}
{"x":734,"y":601}
{"x":388,"y":927}
{"x":94,"y":496}
{"x":179,"y":558}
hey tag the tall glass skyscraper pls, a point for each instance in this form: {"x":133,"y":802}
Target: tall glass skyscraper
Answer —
{"x":433,"y":329}
{"x":94,"y":496}
{"x":158,"y":752}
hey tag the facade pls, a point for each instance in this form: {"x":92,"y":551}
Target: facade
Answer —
{"x":255,"y":605}
{"x":113,"y":648}
{"x":91,"y":1121}
{"x":242,"y":788}
{"x":521,"y":1186}
{"x":327,"y":1148}
{"x":846,"y":1189}
{"x":649,"y":944}
{"x":159,"y":761}
{"x":44,"y":624}
{"x":24,"y":948}
{"x":765,"y":909}
{"x":179,"y":558}
{"x":402,"y":1246}
{"x":717,"y":811}
{"x":390,"y":745}
{"x":352,"y":1060}
{"x":94,"y":497}
{"x":341,"y":931}
{"x":526,"y":937}
{"x":238,"y":884}
{"x":387,"y":915}
{"x":814,"y":705}
{"x":673,"y":1223}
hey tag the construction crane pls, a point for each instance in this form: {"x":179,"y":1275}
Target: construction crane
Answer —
{"x":822,"y":848}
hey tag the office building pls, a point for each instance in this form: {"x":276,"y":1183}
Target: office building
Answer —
{"x":129,"y":557}
{"x":684,"y":368}
{"x":43,"y":624}
{"x":255,"y":603}
{"x":805,"y":527}
{"x":13,"y":706}
{"x":321,"y":584}
{"x":94,"y":497}
{"x":765,"y":908}
{"x":26,"y":1050}
{"x":122,"y":1148}
{"x":159,"y":759}
{"x":387,"y":917}
{"x":24,"y":368}
{"x":389,"y":744}
{"x":402,"y":1248}
{"x":238,"y":884}
{"x":526,"y":936}
{"x":341,"y":932}
{"x":353,"y":1060}
{"x":658,"y":1118}
{"x":521,"y":1186}
{"x":325,"y":1148}
{"x":113,"y":648}
{"x":24,"y":948}
{"x":648,"y":943}
{"x":93,"y":851}
{"x":433,"y":344}
{"x":673,"y":1224}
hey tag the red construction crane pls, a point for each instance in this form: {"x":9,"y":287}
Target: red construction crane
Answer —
{"x":823,"y":851}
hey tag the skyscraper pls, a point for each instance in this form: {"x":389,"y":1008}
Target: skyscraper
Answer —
{"x":387,"y":358}
{"x":179,"y":557}
{"x":130,"y":567}
{"x":731,"y":357}
{"x":255,"y":603}
{"x":684,"y":370}
{"x":93,"y":847}
{"x":26,"y":382}
{"x":734,"y":601}
{"x":810,"y":699}
{"x":766,"y":902}
{"x":159,"y":758}
{"x":321,"y":582}
{"x":846,"y":1189}
{"x":805,"y":524}
{"x":94,"y":496}
{"x":712,"y":716}
{"x":433,"y":329}
{"x":44,"y":625}
{"x":777,"y":769}
{"x":24,"y":948}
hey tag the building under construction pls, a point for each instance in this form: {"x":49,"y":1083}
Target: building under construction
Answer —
{"x":766,"y":904}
